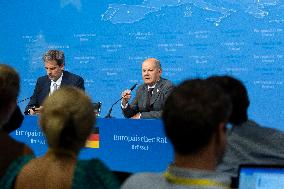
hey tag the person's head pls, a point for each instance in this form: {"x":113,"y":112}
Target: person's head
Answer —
{"x":67,"y":119}
{"x":239,"y":97}
{"x":195,"y":116}
{"x":151,"y":71}
{"x":9,"y":90}
{"x":54,"y":63}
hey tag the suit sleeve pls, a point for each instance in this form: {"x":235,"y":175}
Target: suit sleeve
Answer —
{"x":132,"y":108}
{"x":80,"y":83}
{"x":34,"y":99}
{"x":158,"y":114}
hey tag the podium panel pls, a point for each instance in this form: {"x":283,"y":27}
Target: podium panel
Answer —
{"x":123,"y":144}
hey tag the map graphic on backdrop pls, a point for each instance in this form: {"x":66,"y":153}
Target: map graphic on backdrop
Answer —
{"x":106,"y":41}
{"x":122,"y":13}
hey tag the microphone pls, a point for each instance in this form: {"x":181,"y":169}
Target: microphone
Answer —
{"x":109,"y":112}
{"x":26,"y":112}
{"x":23,"y":100}
{"x":131,"y":89}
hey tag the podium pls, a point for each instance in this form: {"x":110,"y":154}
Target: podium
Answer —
{"x":125,"y":145}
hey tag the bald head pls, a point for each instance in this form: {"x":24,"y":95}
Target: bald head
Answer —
{"x":151,"y":71}
{"x":153,"y":61}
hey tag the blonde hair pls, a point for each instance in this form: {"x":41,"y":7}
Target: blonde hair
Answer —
{"x":67,"y":119}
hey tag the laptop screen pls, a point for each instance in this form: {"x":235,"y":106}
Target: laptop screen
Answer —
{"x":261,"y":177}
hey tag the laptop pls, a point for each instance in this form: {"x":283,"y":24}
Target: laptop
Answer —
{"x":261,"y":177}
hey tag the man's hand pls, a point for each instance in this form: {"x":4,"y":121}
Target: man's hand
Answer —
{"x":125,"y":97}
{"x":136,"y":116}
{"x":34,"y":111}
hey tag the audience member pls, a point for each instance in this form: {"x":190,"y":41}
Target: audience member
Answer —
{"x":67,"y":120}
{"x":248,"y":142}
{"x":10,"y":119}
{"x":194,"y":116}
{"x":56,"y":77}
{"x":150,"y":96}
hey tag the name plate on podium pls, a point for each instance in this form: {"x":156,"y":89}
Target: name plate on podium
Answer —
{"x":122,"y":144}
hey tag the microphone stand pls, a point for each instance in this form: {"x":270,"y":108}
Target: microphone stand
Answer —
{"x":110,"y":110}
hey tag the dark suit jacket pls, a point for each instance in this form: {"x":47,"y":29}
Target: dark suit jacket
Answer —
{"x":43,"y":86}
{"x":160,"y":94}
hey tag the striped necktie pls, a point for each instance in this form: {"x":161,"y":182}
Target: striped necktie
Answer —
{"x":55,"y":87}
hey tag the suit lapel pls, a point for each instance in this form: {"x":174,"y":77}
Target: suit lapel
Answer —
{"x":144,"y":95}
{"x":64,"y":78}
{"x":45,"y":89}
{"x":156,"y":92}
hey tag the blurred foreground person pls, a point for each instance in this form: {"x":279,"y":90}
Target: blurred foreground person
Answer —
{"x":248,"y":142}
{"x":194,"y":116}
{"x":67,"y":120}
{"x":10,"y":119}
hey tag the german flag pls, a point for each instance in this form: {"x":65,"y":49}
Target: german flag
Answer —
{"x":94,"y":139}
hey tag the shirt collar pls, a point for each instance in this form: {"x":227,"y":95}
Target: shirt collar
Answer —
{"x":58,"y":81}
{"x":151,"y":87}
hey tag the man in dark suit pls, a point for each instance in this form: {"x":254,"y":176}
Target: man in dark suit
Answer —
{"x":150,"y":96}
{"x":55,"y":78}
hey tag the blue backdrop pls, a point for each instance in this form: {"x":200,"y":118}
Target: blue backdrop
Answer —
{"x":105,"y":42}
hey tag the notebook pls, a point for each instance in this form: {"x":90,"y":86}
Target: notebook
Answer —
{"x":261,"y":177}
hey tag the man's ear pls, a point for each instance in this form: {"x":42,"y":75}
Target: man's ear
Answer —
{"x":222,"y":127}
{"x":221,"y":136}
{"x":61,"y":67}
{"x":221,"y":139}
{"x":160,"y":71}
